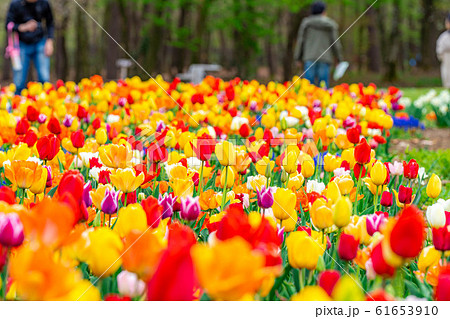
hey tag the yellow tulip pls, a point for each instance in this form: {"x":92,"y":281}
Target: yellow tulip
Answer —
{"x":330,"y":162}
{"x":303,"y":251}
{"x":226,"y":153}
{"x":345,"y":183}
{"x":342,"y":212}
{"x":308,"y":169}
{"x":116,"y":156}
{"x":182,"y":187}
{"x":40,"y":180}
{"x":348,"y":289}
{"x":349,"y":156}
{"x":311,"y":293}
{"x":23,"y":174}
{"x":434,"y":186}
{"x":331,"y":131}
{"x":378,"y":173}
{"x":321,"y":214}
{"x":126,"y":180}
{"x":103,"y":252}
{"x":333,"y":191}
{"x":229,"y":174}
{"x":290,"y":162}
{"x":429,"y":257}
{"x":358,"y":229}
{"x":263,"y":165}
{"x":130,"y":218}
{"x":230,"y":269}
{"x":295,"y":181}
{"x":290,"y":224}
{"x":101,"y":136}
{"x":284,"y":204}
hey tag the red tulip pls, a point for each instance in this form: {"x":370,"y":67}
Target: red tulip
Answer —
{"x":328,"y":279}
{"x":244,"y":130}
{"x":70,"y":191}
{"x":353,"y":135}
{"x":82,"y":113}
{"x":362,"y":152}
{"x":103,"y":177}
{"x":405,"y":194}
{"x":174,"y":278}
{"x":441,"y":238}
{"x":115,"y":297}
{"x":379,"y":295}
{"x":77,"y":139}
{"x":157,"y":153}
{"x":386,"y":199}
{"x":7,"y":195}
{"x":32,"y":114}
{"x":205,"y":147}
{"x":411,"y":169}
{"x":22,"y":127}
{"x":54,"y":126}
{"x":153,"y":211}
{"x":348,"y":247}
{"x":30,"y":138}
{"x":96,"y":124}
{"x":442,"y":292}
{"x":408,"y":234}
{"x":359,"y":170}
{"x":48,"y":147}
{"x":380,"y":265}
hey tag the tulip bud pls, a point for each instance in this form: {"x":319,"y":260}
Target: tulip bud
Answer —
{"x":321,"y":214}
{"x":428,"y":258}
{"x":441,"y":238}
{"x":284,"y":176}
{"x":411,"y":169}
{"x":190,"y":208}
{"x":386,"y":199}
{"x":290,"y":162}
{"x":405,"y":195}
{"x":77,"y":139}
{"x":333,"y":192}
{"x":328,"y":279}
{"x":434,"y":186}
{"x":308,"y":169}
{"x":436,"y":216}
{"x":110,"y":202}
{"x":129,"y":284}
{"x":303,"y":251}
{"x":374,"y":222}
{"x":49,"y":176}
{"x":265,"y":197}
{"x":11,"y":230}
{"x":342,"y":212}
{"x":348,"y":247}
{"x":229,"y":177}
{"x":378,"y":173}
{"x":331,"y":131}
{"x":167,"y":202}
{"x":101,"y":136}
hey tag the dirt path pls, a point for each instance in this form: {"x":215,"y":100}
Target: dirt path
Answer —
{"x":431,"y":139}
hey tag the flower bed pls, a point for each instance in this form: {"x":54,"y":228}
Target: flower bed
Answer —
{"x":236,"y":190}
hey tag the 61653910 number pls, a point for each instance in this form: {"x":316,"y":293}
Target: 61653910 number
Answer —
{"x":407,"y":310}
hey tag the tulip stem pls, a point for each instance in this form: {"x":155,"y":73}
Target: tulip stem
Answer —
{"x":200,"y":184}
{"x":5,"y":276}
{"x":444,"y":261}
{"x":22,"y":198}
{"x":358,"y":186}
{"x":301,"y":276}
{"x":126,"y":199}
{"x":224,"y":193}
{"x":110,"y":220}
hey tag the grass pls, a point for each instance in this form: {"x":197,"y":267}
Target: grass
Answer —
{"x":415,"y":93}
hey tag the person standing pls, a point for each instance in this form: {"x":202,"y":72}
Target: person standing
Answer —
{"x":443,"y":53}
{"x":36,"y":42}
{"x":318,"y":46}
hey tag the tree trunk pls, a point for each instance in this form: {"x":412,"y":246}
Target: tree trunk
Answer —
{"x":394,"y":52}
{"x":155,"y":38}
{"x":373,"y":53}
{"x":112,"y":50}
{"x":82,"y":43}
{"x":179,"y":52}
{"x":427,"y":34}
{"x":200,"y":30}
{"x":295,"y":19}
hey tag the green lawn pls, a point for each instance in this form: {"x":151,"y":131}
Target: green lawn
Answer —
{"x":414,"y":93}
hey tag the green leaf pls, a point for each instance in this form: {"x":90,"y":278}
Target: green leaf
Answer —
{"x":97,"y":220}
{"x":52,"y":191}
{"x":61,"y":166}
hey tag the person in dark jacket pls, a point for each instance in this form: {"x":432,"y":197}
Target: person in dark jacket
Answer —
{"x":315,"y":48}
{"x":36,"y":41}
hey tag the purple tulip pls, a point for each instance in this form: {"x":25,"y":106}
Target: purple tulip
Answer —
{"x":11,"y":230}
{"x":49,"y":176}
{"x":111,"y":202}
{"x":122,"y":102}
{"x":374,"y":222}
{"x":68,"y":120}
{"x":86,"y":194}
{"x":190,"y":208}
{"x":167,"y":203}
{"x":42,"y":118}
{"x":280,"y":234}
{"x":265,"y":197}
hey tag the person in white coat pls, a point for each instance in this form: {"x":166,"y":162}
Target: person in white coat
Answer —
{"x":443,"y":53}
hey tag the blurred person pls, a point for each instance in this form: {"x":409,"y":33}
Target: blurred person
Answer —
{"x":315,"y":36}
{"x":443,"y":53}
{"x":36,"y":41}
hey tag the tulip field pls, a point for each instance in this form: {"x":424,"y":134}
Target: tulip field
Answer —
{"x":227,"y":190}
